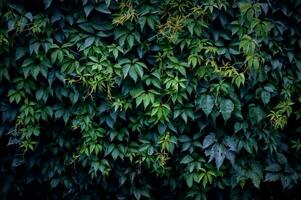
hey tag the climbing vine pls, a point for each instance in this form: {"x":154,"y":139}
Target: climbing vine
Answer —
{"x":132,"y":99}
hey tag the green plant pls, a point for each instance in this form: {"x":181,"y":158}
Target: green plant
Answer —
{"x":168,"y":99}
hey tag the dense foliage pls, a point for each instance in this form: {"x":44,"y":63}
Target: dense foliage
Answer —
{"x":130,"y":99}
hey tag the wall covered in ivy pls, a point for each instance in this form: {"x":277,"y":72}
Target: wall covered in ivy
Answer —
{"x":157,"y":99}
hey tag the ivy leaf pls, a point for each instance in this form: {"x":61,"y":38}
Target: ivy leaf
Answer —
{"x":126,"y":69}
{"x":39,"y":94}
{"x":47,"y":3}
{"x":87,"y":9}
{"x":89,"y":41}
{"x":265,"y":8}
{"x":189,"y":180}
{"x":230,"y":142}
{"x":273,"y":168}
{"x":226,"y":108}
{"x":271,"y":177}
{"x":103,"y":8}
{"x":29,"y":16}
{"x":265,"y":97}
{"x":209,"y":140}
{"x":256,"y":114}
{"x":187,"y":159}
{"x":10,"y":25}
{"x":74,"y":96}
{"x":130,"y":41}
{"x":139,"y":70}
{"x":206,"y":103}
{"x":219,"y":155}
{"x":108,"y":2}
{"x":256,"y":180}
{"x":20,"y":52}
{"x":133,"y":73}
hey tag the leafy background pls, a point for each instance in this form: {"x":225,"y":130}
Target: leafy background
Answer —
{"x":168,"y":99}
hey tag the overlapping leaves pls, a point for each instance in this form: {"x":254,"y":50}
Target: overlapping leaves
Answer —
{"x":177,"y":98}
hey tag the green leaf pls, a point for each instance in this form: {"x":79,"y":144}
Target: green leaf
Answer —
{"x":108,"y":2}
{"x":133,"y":73}
{"x":130,"y":41}
{"x":209,"y":140}
{"x":103,"y":8}
{"x":47,"y":3}
{"x":88,"y":8}
{"x":89,"y":41}
{"x":226,"y":108}
{"x":35,"y":71}
{"x":189,"y":180}
{"x":139,"y":70}
{"x":39,"y":94}
{"x":265,"y":97}
{"x":126,"y":68}
{"x":54,"y":182}
{"x":74,"y":96}
{"x":256,"y":180}
{"x":187,"y":159}
{"x":219,"y":155}
{"x":206,"y":103}
{"x":273,"y":168}
{"x":10,"y":25}
{"x":256,"y":114}
{"x":20,"y":52}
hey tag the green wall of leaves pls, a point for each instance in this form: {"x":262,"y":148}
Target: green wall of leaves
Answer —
{"x":157,"y":99}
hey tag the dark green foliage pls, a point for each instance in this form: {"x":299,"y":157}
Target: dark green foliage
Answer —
{"x":154,"y":99}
